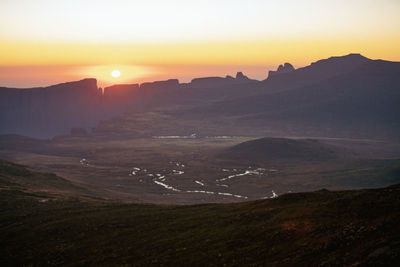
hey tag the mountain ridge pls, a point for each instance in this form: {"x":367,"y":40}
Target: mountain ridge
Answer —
{"x":221,"y":95}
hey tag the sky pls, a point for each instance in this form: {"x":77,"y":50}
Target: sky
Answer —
{"x":43,"y":42}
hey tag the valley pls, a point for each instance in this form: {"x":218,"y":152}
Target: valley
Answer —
{"x":203,"y":170}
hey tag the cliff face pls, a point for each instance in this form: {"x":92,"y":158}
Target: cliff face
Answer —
{"x":118,"y":98}
{"x":44,"y":112}
{"x":48,"y":111}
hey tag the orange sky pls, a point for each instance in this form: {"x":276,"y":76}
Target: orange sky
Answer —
{"x":44,"y":42}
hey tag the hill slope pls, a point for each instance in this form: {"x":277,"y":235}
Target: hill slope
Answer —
{"x":277,"y":149}
{"x":358,"y":228}
{"x":322,"y":228}
{"x":15,"y":177}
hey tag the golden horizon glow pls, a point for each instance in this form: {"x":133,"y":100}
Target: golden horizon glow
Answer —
{"x":109,"y":74}
{"x":30,"y":76}
{"x":300,"y":52}
{"x":95,"y":35}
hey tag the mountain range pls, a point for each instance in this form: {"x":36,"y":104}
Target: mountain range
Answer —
{"x":346,"y":96}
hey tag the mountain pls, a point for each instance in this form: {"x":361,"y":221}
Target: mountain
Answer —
{"x":220,"y":81}
{"x":47,"y":111}
{"x":285,"y":68}
{"x":119,"y":97}
{"x":44,"y":112}
{"x":349,"y":97}
{"x":320,"y":70}
{"x":346,"y":96}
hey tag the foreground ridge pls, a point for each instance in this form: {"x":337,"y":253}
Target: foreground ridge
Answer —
{"x":358,"y":227}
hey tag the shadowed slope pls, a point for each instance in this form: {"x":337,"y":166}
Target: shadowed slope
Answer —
{"x":281,"y":149}
{"x":305,"y":229}
{"x":18,"y":177}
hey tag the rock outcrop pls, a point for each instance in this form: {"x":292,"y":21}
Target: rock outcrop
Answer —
{"x":285,"y":68}
{"x":241,"y":77}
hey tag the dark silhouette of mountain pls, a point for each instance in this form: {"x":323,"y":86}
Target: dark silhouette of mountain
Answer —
{"x":317,"y":71}
{"x":286,"y":68}
{"x":168,"y":84}
{"x":119,"y":97}
{"x":46,"y":111}
{"x":220,"y":81}
{"x":349,"y":95}
{"x":241,"y":77}
{"x":172,"y":93}
{"x":212,"y":81}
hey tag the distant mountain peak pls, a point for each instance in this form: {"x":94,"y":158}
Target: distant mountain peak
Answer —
{"x":352,"y":58}
{"x":241,"y":76}
{"x":355,"y":55}
{"x":285,"y":68}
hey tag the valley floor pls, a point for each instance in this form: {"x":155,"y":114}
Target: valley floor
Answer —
{"x":192,"y":170}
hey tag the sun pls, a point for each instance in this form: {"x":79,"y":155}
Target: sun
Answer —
{"x":115,"y":73}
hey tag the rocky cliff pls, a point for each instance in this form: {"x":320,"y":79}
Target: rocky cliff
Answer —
{"x":47,"y":111}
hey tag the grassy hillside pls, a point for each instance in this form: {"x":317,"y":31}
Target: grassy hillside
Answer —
{"x":17,"y":177}
{"x":304,"y":229}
